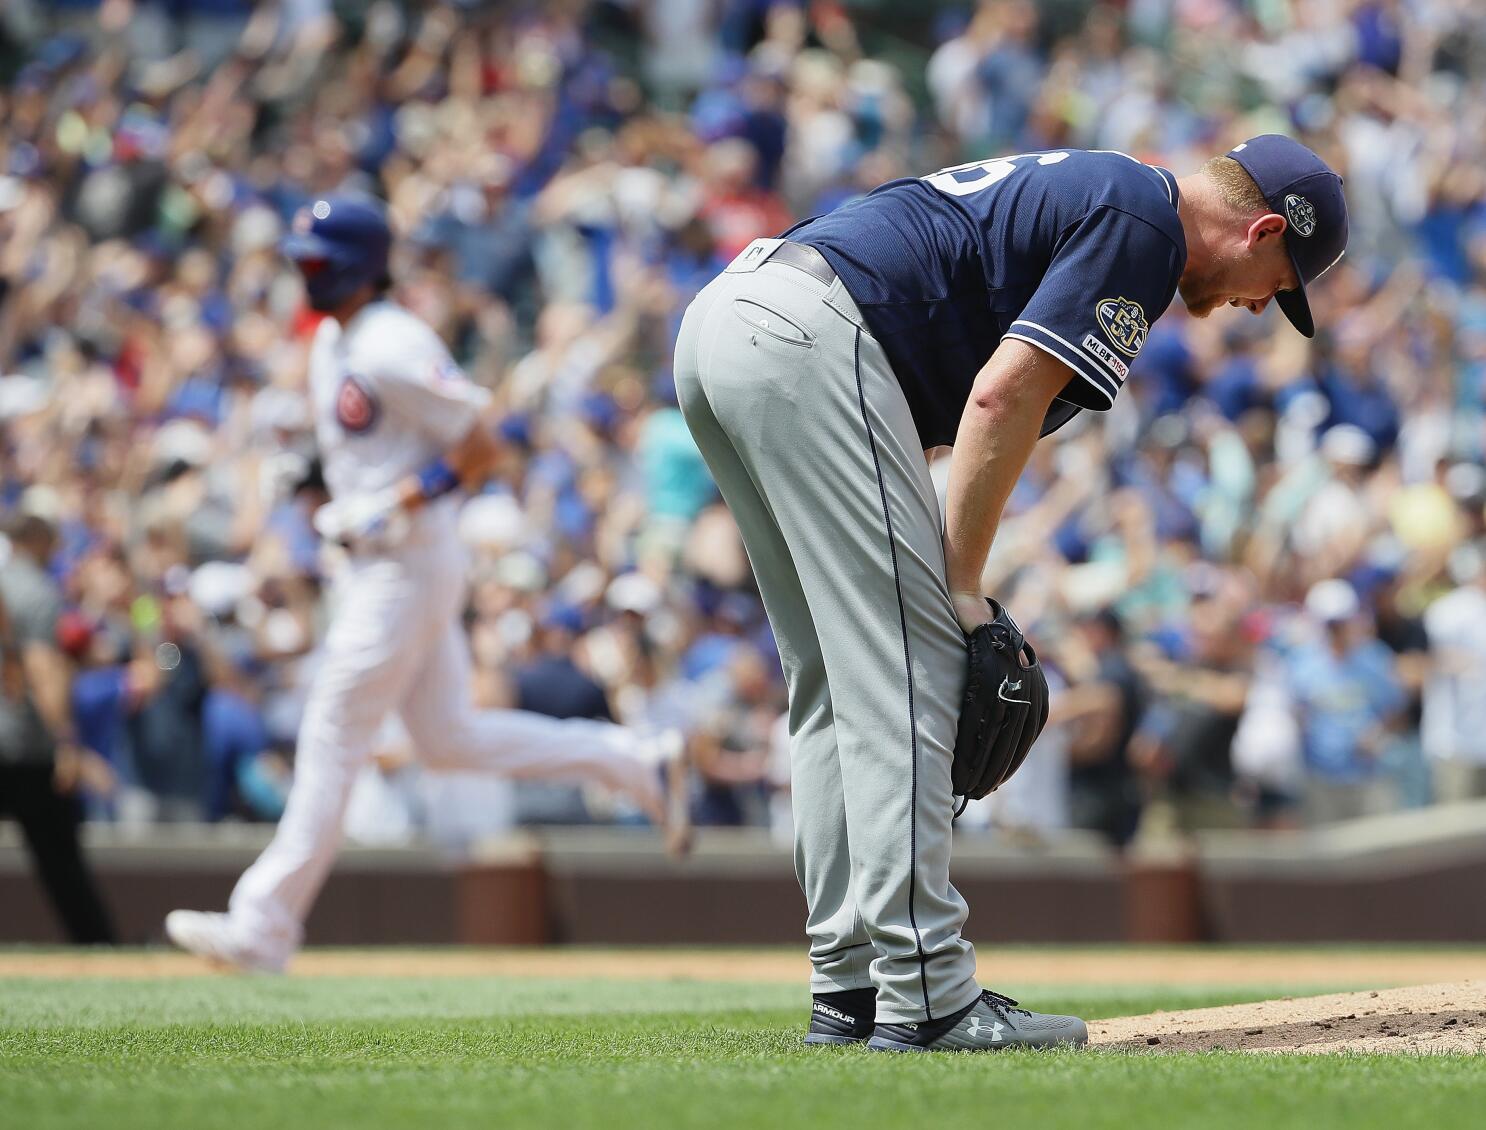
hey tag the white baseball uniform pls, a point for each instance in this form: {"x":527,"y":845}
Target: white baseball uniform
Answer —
{"x":388,"y":399}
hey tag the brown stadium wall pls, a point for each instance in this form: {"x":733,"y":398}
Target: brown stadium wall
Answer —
{"x":1409,"y":877}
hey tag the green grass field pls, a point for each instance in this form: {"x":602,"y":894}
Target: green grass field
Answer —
{"x":374,"y":1053}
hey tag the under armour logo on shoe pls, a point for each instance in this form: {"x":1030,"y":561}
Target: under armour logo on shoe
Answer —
{"x":979,"y":1028}
{"x":1008,"y":685}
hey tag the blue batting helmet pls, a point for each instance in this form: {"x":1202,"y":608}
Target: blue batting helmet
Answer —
{"x":340,"y":243}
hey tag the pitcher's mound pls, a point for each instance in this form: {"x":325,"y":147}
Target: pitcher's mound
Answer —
{"x":1425,"y":1018}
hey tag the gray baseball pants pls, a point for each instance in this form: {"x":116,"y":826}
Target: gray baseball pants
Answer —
{"x":808,"y":435}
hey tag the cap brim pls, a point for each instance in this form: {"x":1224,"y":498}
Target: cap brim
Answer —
{"x":1295,"y":304}
{"x":304,"y":245}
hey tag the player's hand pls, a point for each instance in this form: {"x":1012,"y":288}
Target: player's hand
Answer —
{"x":971,"y":610}
{"x":368,"y":522}
{"x":67,"y":764}
{"x":278,"y":474}
{"x":75,"y":766}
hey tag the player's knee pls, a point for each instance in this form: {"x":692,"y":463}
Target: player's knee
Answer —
{"x":445,"y":747}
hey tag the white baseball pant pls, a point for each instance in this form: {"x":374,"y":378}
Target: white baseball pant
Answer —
{"x":396,"y":643}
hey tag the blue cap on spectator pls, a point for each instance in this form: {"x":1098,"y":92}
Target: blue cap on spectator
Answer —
{"x":600,"y":411}
{"x":24,"y":160}
{"x":559,"y":614}
{"x":516,"y":429}
{"x":1302,"y":188}
{"x":61,"y":51}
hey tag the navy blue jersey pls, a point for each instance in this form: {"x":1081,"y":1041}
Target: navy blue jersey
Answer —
{"x":1073,"y":251}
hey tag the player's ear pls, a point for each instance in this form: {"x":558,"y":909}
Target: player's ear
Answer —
{"x":1271,"y":225}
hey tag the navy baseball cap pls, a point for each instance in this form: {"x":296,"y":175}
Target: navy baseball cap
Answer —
{"x":346,"y":238}
{"x":1300,"y":187}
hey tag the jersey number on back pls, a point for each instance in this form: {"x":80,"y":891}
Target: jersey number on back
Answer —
{"x":962,"y":180}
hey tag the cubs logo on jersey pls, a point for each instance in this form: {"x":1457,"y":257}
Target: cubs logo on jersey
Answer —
{"x":355,"y":407}
{"x":1301,"y":214}
{"x":1123,"y":322}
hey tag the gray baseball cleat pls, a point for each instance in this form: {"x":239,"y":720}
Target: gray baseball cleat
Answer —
{"x":991,"y":1022}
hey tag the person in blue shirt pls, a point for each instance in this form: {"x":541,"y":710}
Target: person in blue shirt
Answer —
{"x":978,"y":307}
{"x":240,"y":774}
{"x":1347,"y":694}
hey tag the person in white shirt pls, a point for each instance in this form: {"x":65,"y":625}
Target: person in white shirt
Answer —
{"x":399,"y":431}
{"x":1454,"y":725}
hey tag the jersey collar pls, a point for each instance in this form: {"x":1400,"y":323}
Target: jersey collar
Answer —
{"x":363,"y":313}
{"x":1173,"y":193}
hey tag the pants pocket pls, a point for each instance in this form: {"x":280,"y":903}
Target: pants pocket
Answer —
{"x":765,"y":319}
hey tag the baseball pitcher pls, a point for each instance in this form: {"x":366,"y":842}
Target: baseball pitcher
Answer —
{"x":981,"y":307}
{"x":398,"y":426}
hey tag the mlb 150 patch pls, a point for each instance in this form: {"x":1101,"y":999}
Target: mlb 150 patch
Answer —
{"x":355,"y":407}
{"x":1105,"y":355}
{"x":1123,"y":322}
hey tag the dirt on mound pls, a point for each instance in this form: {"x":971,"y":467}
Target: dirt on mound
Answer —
{"x":1421,"y":1019}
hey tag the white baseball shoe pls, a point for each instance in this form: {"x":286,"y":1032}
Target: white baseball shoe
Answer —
{"x":213,"y":937}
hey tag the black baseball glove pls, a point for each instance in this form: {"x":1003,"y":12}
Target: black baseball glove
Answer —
{"x":1004,"y":709}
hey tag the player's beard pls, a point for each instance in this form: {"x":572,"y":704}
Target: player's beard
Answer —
{"x":1205,"y":292}
{"x":1201,"y":296}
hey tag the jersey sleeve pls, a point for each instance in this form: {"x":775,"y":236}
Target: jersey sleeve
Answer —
{"x":420,"y":384}
{"x":1109,"y":279}
{"x":34,"y":620}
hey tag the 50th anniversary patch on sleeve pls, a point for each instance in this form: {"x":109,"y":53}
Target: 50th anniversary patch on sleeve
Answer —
{"x":1123,"y":322}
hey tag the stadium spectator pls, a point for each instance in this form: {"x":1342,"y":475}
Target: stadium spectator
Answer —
{"x":1454,"y":723}
{"x":1102,"y":711}
{"x":1347,"y":696}
{"x":1184,"y":744}
{"x":549,"y":681}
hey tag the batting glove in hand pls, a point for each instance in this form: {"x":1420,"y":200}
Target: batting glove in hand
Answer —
{"x":279,"y":474}
{"x":368,"y":523}
{"x":1004,"y":708}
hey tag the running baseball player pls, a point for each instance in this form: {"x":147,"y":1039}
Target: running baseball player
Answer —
{"x":399,"y":431}
{"x":981,"y":307}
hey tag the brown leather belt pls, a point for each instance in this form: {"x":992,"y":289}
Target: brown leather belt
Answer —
{"x":805,"y":258}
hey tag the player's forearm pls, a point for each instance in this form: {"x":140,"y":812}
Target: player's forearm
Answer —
{"x":997,"y":432}
{"x":467,"y":464}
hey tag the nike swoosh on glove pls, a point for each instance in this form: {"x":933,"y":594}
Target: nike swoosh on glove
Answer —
{"x":1003,"y":710}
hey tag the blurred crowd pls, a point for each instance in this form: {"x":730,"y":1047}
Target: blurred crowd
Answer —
{"x":1259,"y":582}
